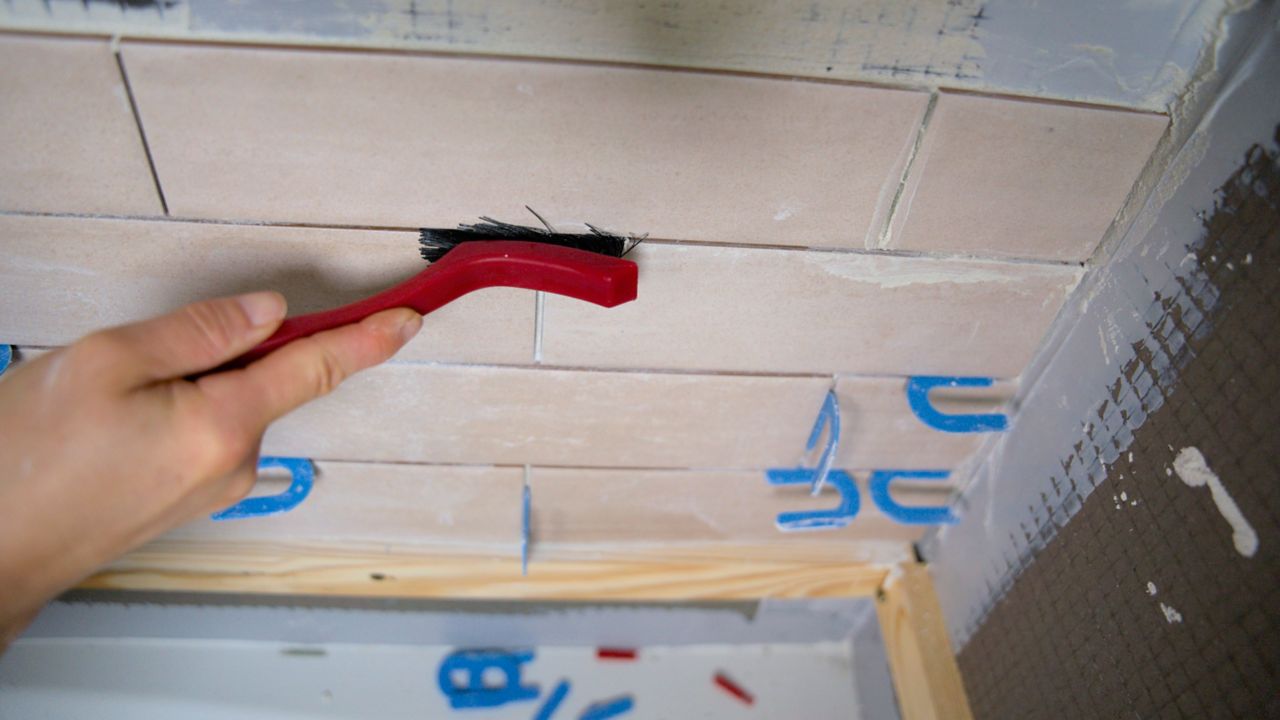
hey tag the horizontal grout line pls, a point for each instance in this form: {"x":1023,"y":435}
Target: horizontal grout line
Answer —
{"x":206,"y":221}
{"x":263,"y":41}
{"x":620,"y":468}
{"x":467,"y":466}
{"x":260,"y":40}
{"x":619,"y":371}
{"x":1059,"y":101}
{"x":892,"y":253}
{"x":880,"y":252}
{"x":693,"y":372}
{"x":586,"y":369}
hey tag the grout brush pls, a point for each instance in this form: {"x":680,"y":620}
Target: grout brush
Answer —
{"x":490,"y":253}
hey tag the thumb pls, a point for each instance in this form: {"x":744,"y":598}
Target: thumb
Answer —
{"x":193,"y":338}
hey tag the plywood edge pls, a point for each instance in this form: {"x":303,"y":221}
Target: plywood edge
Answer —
{"x":925,"y":674}
{"x":283,"y":569}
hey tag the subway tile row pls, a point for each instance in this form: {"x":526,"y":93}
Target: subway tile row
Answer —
{"x":419,"y":413}
{"x":700,"y":308}
{"x":353,"y":138}
{"x":477,"y":509}
{"x":393,"y":140}
{"x":755,"y":309}
{"x":61,"y":278}
{"x":407,"y":412}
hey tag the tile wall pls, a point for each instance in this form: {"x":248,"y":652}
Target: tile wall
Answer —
{"x":803,"y":236}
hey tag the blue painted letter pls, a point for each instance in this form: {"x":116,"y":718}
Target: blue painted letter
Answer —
{"x":918,"y":388}
{"x":837,"y":517}
{"x":879,"y":488}
{"x":608,"y":708}
{"x":473,"y":693}
{"x":557,"y":696}
{"x":828,"y":416}
{"x":303,"y":473}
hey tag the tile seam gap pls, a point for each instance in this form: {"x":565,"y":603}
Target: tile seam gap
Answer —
{"x":275,"y":43}
{"x":539,"y":311}
{"x":696,"y":372}
{"x":262,"y":41}
{"x":137,"y":120}
{"x":250,"y":41}
{"x":560,"y":466}
{"x":868,"y":252}
{"x":689,"y":372}
{"x":876,"y":252}
{"x":886,"y":230}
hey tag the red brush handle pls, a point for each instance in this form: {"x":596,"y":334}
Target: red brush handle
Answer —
{"x":472,"y":266}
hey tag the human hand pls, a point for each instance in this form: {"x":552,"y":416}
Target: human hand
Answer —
{"x":104,"y":444}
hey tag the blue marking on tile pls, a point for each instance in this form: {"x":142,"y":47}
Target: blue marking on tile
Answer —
{"x":525,"y":503}
{"x":918,"y":388}
{"x":837,"y":517}
{"x":608,"y":708}
{"x":6,"y":357}
{"x":829,"y":417}
{"x":474,"y":693}
{"x":552,"y":704}
{"x":303,"y":473}
{"x":926,"y":515}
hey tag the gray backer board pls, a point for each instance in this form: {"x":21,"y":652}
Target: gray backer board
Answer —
{"x":1123,"y":338}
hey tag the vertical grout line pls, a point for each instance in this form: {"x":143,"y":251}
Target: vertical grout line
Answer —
{"x":526,"y":522}
{"x":886,"y":231}
{"x":137,"y":119}
{"x":539,"y":309}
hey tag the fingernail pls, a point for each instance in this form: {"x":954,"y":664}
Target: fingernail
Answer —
{"x":262,"y":308}
{"x":410,"y":327}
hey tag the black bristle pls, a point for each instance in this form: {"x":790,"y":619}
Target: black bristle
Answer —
{"x":435,"y":242}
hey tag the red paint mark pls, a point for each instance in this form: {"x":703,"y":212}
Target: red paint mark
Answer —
{"x":734,"y":689}
{"x":616,"y":653}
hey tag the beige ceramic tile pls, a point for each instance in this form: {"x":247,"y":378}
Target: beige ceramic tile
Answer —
{"x":372,"y":504}
{"x":392,"y":140}
{"x":999,"y":177}
{"x":68,"y":140}
{"x":716,"y":308}
{"x":510,"y":416}
{"x":878,"y":428}
{"x":63,"y":277}
{"x":513,"y":416}
{"x":603,"y":506}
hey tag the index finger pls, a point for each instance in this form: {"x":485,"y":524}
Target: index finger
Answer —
{"x":311,"y":367}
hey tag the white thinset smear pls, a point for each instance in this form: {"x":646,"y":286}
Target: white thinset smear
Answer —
{"x":1194,"y":471}
{"x":1171,"y":616}
{"x":896,"y":272}
{"x":37,"y":265}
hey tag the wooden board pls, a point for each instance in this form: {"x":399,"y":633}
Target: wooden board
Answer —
{"x":282,"y":569}
{"x":925,"y":674}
